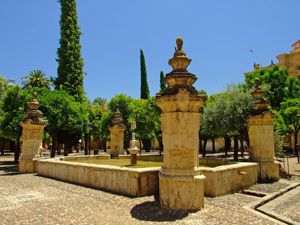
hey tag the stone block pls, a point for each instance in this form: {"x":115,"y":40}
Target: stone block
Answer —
{"x":269,"y":170}
{"x":181,"y":193}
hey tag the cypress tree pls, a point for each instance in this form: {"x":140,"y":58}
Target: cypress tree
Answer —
{"x":162,"y":82}
{"x":70,"y":63}
{"x":145,"y":93}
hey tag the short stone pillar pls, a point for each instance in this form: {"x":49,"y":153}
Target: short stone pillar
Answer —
{"x":116,"y":135}
{"x":32,"y":137}
{"x":261,"y":135}
{"x":133,"y":150}
{"x":181,"y":182}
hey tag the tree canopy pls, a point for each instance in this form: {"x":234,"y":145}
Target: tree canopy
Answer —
{"x":225,"y":114}
{"x":290,"y":110}
{"x":70,"y":63}
{"x":273,"y":80}
{"x":36,"y":78}
{"x":145,"y":93}
{"x":163,"y":86}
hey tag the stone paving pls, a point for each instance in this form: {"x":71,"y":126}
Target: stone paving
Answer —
{"x":286,"y":206}
{"x":31,"y":199}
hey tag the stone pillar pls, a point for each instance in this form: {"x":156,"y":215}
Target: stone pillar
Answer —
{"x":181,"y":182}
{"x":116,"y":135}
{"x":32,"y":137}
{"x":261,"y":135}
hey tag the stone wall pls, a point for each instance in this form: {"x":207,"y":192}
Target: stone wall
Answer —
{"x":126,"y":181}
{"x":144,"y":181}
{"x":229,"y":178}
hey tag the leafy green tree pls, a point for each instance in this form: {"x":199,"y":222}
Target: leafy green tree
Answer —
{"x":4,"y":85}
{"x":163,"y":86}
{"x":293,"y":88}
{"x":274,"y":79}
{"x":68,"y":119}
{"x":145,"y":93}
{"x":70,"y":63}
{"x":290,"y":109}
{"x":94,"y":128}
{"x":104,"y":124}
{"x":280,"y":130}
{"x":226,"y":113}
{"x":36,"y":78}
{"x":14,"y":106}
{"x":144,"y":112}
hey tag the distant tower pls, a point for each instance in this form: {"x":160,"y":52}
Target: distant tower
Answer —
{"x":291,"y":60}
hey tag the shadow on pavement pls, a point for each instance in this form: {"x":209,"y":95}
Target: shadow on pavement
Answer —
{"x":8,"y":168}
{"x":151,"y":211}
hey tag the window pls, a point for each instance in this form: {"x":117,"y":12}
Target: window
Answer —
{"x":298,"y":68}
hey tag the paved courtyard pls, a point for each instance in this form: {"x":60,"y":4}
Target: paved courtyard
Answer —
{"x":31,"y":199}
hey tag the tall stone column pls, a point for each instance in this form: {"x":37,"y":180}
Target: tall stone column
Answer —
{"x":181,"y":183}
{"x":261,"y":135}
{"x":32,"y":136}
{"x":116,"y":135}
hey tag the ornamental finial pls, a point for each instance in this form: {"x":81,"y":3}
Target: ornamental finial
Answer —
{"x":179,"y":43}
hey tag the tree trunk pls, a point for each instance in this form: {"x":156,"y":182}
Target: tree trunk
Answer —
{"x":161,"y":146}
{"x":104,"y":145}
{"x":54,"y":146}
{"x":66,"y":149}
{"x":140,"y":147}
{"x":12,"y":146}
{"x":146,"y":144}
{"x":227,"y":145}
{"x":2,"y":147}
{"x":213,"y":145}
{"x":86,"y":145}
{"x":200,"y":144}
{"x":235,"y":147}
{"x":295,"y":142}
{"x":242,"y":146}
{"x":247,"y":138}
{"x":89,"y":141}
{"x":204,"y":147}
{"x":17,"y":149}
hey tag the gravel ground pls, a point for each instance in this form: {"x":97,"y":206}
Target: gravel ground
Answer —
{"x":35,"y":200}
{"x":269,"y":187}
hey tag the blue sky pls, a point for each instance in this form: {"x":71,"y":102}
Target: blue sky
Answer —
{"x":217,"y":37}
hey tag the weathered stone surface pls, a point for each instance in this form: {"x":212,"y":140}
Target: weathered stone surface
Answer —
{"x":32,"y":137}
{"x":261,"y":135}
{"x":126,"y":181}
{"x":117,"y":135}
{"x":180,"y":181}
{"x":181,"y":192}
{"x":116,"y":141}
{"x":229,"y":178}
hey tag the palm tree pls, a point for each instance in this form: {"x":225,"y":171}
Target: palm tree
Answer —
{"x":100,"y":101}
{"x":36,"y":78}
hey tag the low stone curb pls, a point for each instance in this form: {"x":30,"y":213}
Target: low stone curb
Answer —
{"x":274,"y":217}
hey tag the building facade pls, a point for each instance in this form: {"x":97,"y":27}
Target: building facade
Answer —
{"x":291,"y":60}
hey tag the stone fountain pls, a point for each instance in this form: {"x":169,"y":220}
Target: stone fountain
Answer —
{"x":133,"y":149}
